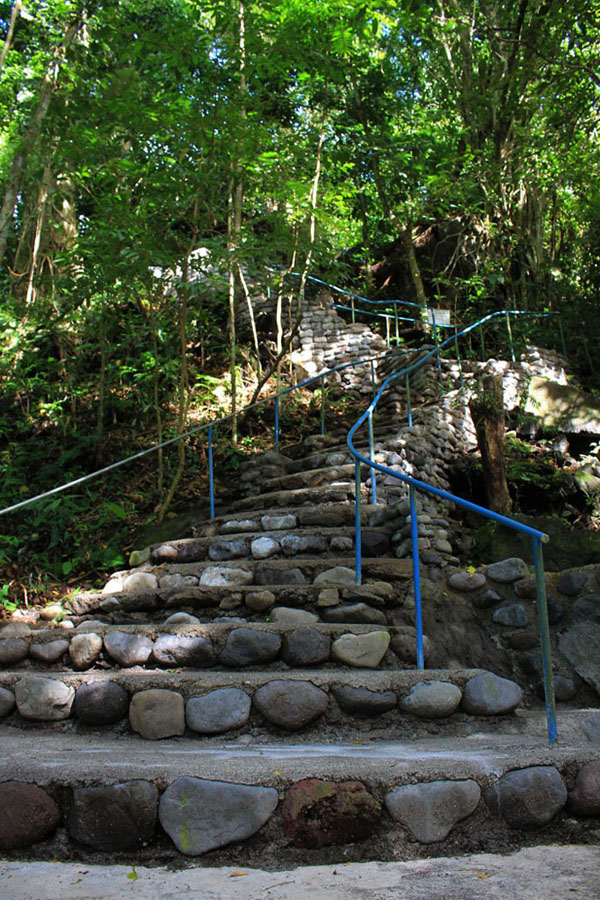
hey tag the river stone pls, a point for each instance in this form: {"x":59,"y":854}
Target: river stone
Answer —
{"x":172,"y":650}
{"x":292,"y":544}
{"x":201,"y":815}
{"x":584,"y":799}
{"x":432,"y":700}
{"x":556,"y":610}
{"x":171,"y":582}
{"x":182,"y":618}
{"x":507,"y":570}
{"x":355,"y":614}
{"x":335,"y":576}
{"x":526,"y":588}
{"x":466,"y":581}
{"x":290,"y":704}
{"x":291,"y":575}
{"x":218,"y":575}
{"x":528,"y":798}
{"x":14,"y":629}
{"x":572,"y":583}
{"x":157,"y":713}
{"x":305,"y":647}
{"x":328,"y":597}
{"x":7,"y":702}
{"x":364,"y":702}
{"x":140,"y":581}
{"x":361,"y":650}
{"x":49,"y":652}
{"x":259,"y":601}
{"x":249,"y":647}
{"x":287,"y":615}
{"x":114,"y":585}
{"x":13,"y":650}
{"x":218,"y":711}
{"x":564,"y":689}
{"x":27,"y":815}
{"x":485,"y":599}
{"x":374,"y":543}
{"x":112,"y":818}
{"x":225,"y":550}
{"x":100,"y":703}
{"x":84,"y":650}
{"x":489,"y":695}
{"x":587,"y":607}
{"x":513,"y":615}
{"x":43,"y":699}
{"x":50,"y":612}
{"x":591,"y":728}
{"x":278,"y":523}
{"x":581,"y":647}
{"x":404,"y":645}
{"x":128,"y":649}
{"x":430,"y":810}
{"x":263,"y":547}
{"x":341,"y":544}
{"x":317,"y":813}
{"x":235,"y":526}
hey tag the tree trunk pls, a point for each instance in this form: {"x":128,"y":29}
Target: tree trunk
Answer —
{"x":487,"y":411}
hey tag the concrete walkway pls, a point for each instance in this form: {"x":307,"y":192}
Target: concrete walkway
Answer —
{"x":539,"y":873}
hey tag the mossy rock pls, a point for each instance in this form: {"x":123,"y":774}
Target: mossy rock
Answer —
{"x":567,"y":547}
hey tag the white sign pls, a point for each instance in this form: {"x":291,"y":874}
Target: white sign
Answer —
{"x":442,"y":316}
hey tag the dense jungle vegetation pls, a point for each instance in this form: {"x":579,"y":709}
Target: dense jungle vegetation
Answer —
{"x":442,"y":151}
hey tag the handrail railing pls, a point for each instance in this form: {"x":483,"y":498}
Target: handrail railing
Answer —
{"x":415,"y":484}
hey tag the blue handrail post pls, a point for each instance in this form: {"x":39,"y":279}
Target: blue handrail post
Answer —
{"x":211,"y":476}
{"x":323,"y":404}
{"x":387,"y":332}
{"x":357,"y":526}
{"x":482,"y":343}
{"x":460,"y":368}
{"x":397,"y":328}
{"x":510,"y":337}
{"x":372,"y":458}
{"x":542,"y":611}
{"x":414,"y":534}
{"x":353,"y":310}
{"x":408,"y":406}
{"x":373,"y":382}
{"x":437,"y":348}
{"x":277,"y":423}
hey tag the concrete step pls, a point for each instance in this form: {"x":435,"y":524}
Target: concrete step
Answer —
{"x":107,"y":797}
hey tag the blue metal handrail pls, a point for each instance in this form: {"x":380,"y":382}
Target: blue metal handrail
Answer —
{"x":538,"y":537}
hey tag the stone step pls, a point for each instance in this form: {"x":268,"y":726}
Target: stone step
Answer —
{"x":325,"y":493}
{"x":85,"y":796}
{"x":325,"y":515}
{"x":307,"y":478}
{"x":330,"y":703}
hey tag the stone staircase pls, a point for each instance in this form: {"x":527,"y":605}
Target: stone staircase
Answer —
{"x":237,"y":692}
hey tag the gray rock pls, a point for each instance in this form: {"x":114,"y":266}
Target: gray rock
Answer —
{"x":364,"y":702}
{"x":278,"y":523}
{"x":264,"y":547}
{"x":572,"y":583}
{"x":249,"y":647}
{"x":485,"y":599}
{"x":100,"y":703}
{"x":489,"y":695}
{"x":591,"y":728}
{"x":290,"y":704}
{"x":201,"y":815}
{"x":328,"y":597}
{"x":528,"y":798}
{"x":128,"y":649}
{"x":140,"y":581}
{"x":584,"y":799}
{"x":113,"y":818}
{"x":355,"y":614}
{"x":287,"y":615}
{"x":507,"y":571}
{"x":259,"y":601}
{"x":526,"y":588}
{"x":580,"y":645}
{"x":513,"y":615}
{"x":218,"y":711}
{"x":361,"y":650}
{"x":432,"y":700}
{"x":291,"y":544}
{"x":587,"y":607}
{"x":14,"y":629}
{"x":50,"y":652}
{"x":564,"y":689}
{"x":289,"y":575}
{"x":84,"y":650}
{"x":341,"y":544}
{"x":171,"y":650}
{"x":225,"y":550}
{"x":335,"y":576}
{"x":13,"y":650}
{"x":374,"y":543}
{"x":7,"y":702}
{"x":43,"y":699}
{"x":157,"y":714}
{"x":305,"y":647}
{"x":235,"y":526}
{"x":28,"y":815}
{"x":182,"y":618}
{"x":430,"y":810}
{"x":218,"y":575}
{"x":466,"y":581}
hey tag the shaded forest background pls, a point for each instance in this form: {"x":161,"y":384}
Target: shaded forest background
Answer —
{"x":157,"y":156}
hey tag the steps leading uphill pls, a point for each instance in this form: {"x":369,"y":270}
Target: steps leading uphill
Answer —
{"x":236,"y":697}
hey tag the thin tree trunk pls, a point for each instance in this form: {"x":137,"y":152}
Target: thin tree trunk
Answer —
{"x":11,"y":30}
{"x":252,"y":318}
{"x":487,"y":411}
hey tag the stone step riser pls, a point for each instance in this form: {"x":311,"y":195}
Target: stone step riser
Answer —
{"x":285,"y":819}
{"x":326,"y":516}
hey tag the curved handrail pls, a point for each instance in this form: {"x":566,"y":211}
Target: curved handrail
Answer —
{"x":538,"y":537}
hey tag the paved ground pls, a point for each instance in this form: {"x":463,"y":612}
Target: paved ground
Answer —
{"x":540,"y":873}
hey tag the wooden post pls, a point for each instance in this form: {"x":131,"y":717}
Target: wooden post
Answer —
{"x":487,"y":411}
